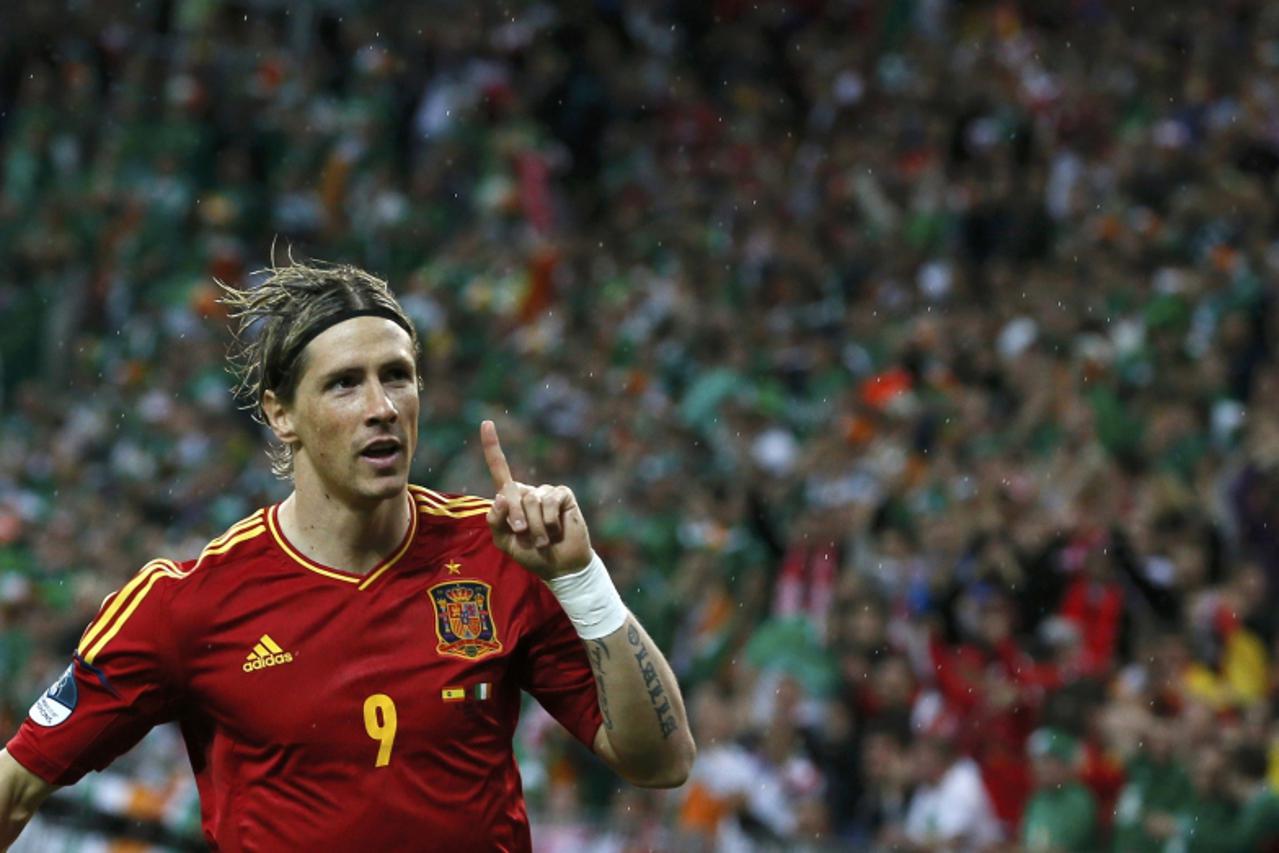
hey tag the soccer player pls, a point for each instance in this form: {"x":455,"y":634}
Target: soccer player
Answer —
{"x":346,"y":665}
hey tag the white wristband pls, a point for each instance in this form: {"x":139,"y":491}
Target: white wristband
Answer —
{"x":590,"y":600}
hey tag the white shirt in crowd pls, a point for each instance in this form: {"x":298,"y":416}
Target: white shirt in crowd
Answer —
{"x":956,"y":810}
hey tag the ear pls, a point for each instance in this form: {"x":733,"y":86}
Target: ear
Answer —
{"x":279,"y":417}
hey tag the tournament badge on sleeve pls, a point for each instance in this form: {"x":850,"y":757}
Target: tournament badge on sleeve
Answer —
{"x":56,"y":703}
{"x":463,"y":621}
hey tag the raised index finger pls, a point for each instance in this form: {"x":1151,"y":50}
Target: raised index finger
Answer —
{"x":494,"y":456}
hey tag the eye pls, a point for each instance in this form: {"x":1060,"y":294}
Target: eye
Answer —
{"x":399,"y":374}
{"x":344,"y":382}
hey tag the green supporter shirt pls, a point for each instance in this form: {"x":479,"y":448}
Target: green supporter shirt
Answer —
{"x":1258,"y":824}
{"x":1151,"y":788}
{"x":1203,"y":825}
{"x":1061,"y":819}
{"x":1255,"y":828}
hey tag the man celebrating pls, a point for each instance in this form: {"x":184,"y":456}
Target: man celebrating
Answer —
{"x":346,"y":665}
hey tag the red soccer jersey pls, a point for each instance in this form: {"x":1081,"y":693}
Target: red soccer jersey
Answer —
{"x":324,"y":710}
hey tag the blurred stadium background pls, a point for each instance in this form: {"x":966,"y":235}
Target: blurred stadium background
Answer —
{"x":914,"y":359}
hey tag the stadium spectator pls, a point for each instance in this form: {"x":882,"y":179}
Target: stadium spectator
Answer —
{"x":884,"y":784}
{"x":1157,"y":783}
{"x":949,"y":807}
{"x":1205,"y":815}
{"x":1256,"y":824}
{"x":1061,"y":815}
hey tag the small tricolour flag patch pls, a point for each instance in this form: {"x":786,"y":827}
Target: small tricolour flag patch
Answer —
{"x":475,"y":693}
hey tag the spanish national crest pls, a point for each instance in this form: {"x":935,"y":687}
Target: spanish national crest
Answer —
{"x":463,"y":621}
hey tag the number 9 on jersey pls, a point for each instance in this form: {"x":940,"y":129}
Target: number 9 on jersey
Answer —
{"x":379,"y":722}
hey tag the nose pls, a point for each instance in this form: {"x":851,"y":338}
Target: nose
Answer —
{"x":379,"y":407}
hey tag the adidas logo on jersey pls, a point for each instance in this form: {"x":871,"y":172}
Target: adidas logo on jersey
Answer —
{"x":266,"y":653}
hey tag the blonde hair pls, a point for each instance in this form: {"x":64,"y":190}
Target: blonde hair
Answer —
{"x":275,"y":320}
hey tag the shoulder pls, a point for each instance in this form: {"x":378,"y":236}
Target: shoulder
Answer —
{"x":240,"y":544}
{"x":236,"y":542}
{"x":241,"y":540}
{"x":149,"y":607}
{"x":457,"y":525}
{"x":452,"y":510}
{"x":133,"y":603}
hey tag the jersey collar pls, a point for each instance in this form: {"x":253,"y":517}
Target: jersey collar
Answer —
{"x":360,"y":581}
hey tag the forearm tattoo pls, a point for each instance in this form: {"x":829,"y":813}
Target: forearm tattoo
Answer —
{"x":596,"y":651}
{"x":652,"y":682}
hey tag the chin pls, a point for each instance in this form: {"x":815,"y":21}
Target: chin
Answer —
{"x":377,"y":488}
{"x":386,"y":487}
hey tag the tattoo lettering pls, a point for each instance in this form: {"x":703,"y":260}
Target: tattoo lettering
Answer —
{"x":597,"y":652}
{"x":652,"y":683}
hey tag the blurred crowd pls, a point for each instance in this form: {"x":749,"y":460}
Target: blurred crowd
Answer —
{"x":914,"y":360}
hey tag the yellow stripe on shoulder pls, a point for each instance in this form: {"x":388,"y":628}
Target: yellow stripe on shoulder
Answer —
{"x":128,"y":611}
{"x":213,"y":548}
{"x":242,"y":524}
{"x":464,"y":503}
{"x":468,"y":503}
{"x":128,"y":598}
{"x":423,"y":493}
{"x":432,"y":502}
{"x":454,"y":513}
{"x":430,"y":496}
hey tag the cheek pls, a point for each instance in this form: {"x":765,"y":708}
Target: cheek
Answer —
{"x":409,"y":410}
{"x":325,"y":429}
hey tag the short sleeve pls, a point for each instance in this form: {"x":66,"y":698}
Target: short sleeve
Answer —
{"x":120,"y":684}
{"x":555,"y":670}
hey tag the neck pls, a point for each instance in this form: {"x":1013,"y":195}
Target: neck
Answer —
{"x":341,"y":534}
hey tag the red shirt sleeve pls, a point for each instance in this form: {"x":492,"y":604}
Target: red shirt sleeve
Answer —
{"x":950,"y":674}
{"x":555,"y":670}
{"x":119,"y":685}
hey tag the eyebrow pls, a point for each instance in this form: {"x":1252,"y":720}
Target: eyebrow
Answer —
{"x":337,"y":372}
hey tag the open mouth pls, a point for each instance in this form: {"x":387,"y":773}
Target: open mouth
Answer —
{"x":381,"y":449}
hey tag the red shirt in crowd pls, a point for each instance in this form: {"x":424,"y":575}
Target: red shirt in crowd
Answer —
{"x":323,"y":709}
{"x":1097,"y":609}
{"x":994,"y":733}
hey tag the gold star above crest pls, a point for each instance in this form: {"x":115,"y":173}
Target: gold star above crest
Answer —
{"x":454,"y":567}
